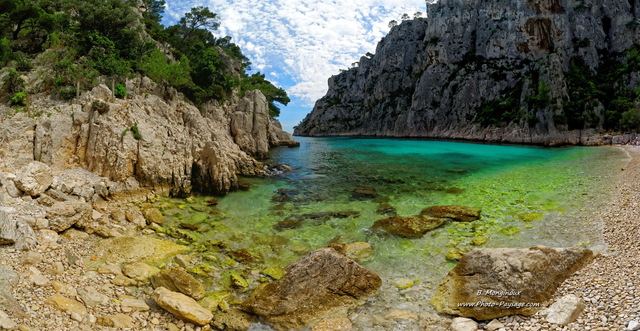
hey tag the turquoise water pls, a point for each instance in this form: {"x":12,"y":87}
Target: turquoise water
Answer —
{"x":528,"y":196}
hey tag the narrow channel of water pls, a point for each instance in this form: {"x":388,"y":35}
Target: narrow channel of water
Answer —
{"x":528,"y":196}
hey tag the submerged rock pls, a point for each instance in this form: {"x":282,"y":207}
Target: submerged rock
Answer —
{"x":319,"y":284}
{"x":496,"y":282}
{"x":408,"y":227}
{"x":364,"y":193}
{"x":295,"y":221}
{"x":355,"y":250}
{"x":457,"y":213}
{"x":386,"y":209}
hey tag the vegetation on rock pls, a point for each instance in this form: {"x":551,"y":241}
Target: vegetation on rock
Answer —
{"x":83,"y":40}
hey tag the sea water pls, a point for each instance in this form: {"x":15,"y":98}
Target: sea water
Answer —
{"x":528,"y":196}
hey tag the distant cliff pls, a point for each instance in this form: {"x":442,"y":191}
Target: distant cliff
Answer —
{"x":545,"y":72}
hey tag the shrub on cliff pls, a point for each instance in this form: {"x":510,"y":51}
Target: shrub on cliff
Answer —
{"x":82,"y":39}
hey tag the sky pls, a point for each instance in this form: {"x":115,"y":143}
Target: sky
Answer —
{"x":299,"y":44}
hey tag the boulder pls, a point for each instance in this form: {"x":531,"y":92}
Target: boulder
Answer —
{"x":118,"y":321}
{"x":318,"y":285}
{"x":463,"y":324}
{"x":63,"y":215}
{"x":91,"y":296}
{"x":494,"y":325}
{"x":136,"y":249}
{"x":565,"y":310}
{"x":67,"y":305}
{"x":179,"y":280}
{"x":232,"y":320}
{"x":182,"y":306}
{"x":408,"y":227}
{"x":34,"y":178}
{"x":6,"y":322}
{"x":153,"y":215}
{"x":489,"y":283}
{"x":7,"y":180}
{"x":139,"y":271}
{"x":15,"y":230}
{"x":456,"y":213}
{"x":128,"y":305}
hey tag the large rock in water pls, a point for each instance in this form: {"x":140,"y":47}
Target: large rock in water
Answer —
{"x":409,"y":227}
{"x":489,"y":283}
{"x":319,"y":284}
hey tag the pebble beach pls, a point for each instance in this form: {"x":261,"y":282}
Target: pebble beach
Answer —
{"x":610,"y":285}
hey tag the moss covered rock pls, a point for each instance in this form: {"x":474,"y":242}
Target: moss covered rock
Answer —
{"x":408,"y":227}
{"x":179,"y":280}
{"x":136,"y":249}
{"x":317,"y":285}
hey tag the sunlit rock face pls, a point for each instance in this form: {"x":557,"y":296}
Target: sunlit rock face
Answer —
{"x":154,"y":138}
{"x":502,"y":70}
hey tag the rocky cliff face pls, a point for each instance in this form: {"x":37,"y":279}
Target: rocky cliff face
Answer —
{"x":534,"y":71}
{"x":152,"y":139}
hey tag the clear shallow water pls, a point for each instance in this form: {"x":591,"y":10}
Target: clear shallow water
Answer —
{"x":528,"y":196}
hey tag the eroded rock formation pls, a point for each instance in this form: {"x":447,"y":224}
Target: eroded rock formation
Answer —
{"x":153,"y":139}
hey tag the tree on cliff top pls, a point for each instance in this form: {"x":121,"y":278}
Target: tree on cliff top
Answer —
{"x":88,"y":38}
{"x":199,"y":18}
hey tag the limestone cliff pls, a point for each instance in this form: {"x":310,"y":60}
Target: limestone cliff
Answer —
{"x":533,"y":71}
{"x":151,"y":139}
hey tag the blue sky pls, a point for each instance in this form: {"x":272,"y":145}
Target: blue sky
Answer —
{"x":299,"y":44}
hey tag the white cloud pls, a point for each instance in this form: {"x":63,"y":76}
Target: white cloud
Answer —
{"x":306,"y":40}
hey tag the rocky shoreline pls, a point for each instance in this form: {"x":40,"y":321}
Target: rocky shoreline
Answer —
{"x":65,"y":275}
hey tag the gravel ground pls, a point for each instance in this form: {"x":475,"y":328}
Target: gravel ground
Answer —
{"x":68,"y":262}
{"x":610,"y":285}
